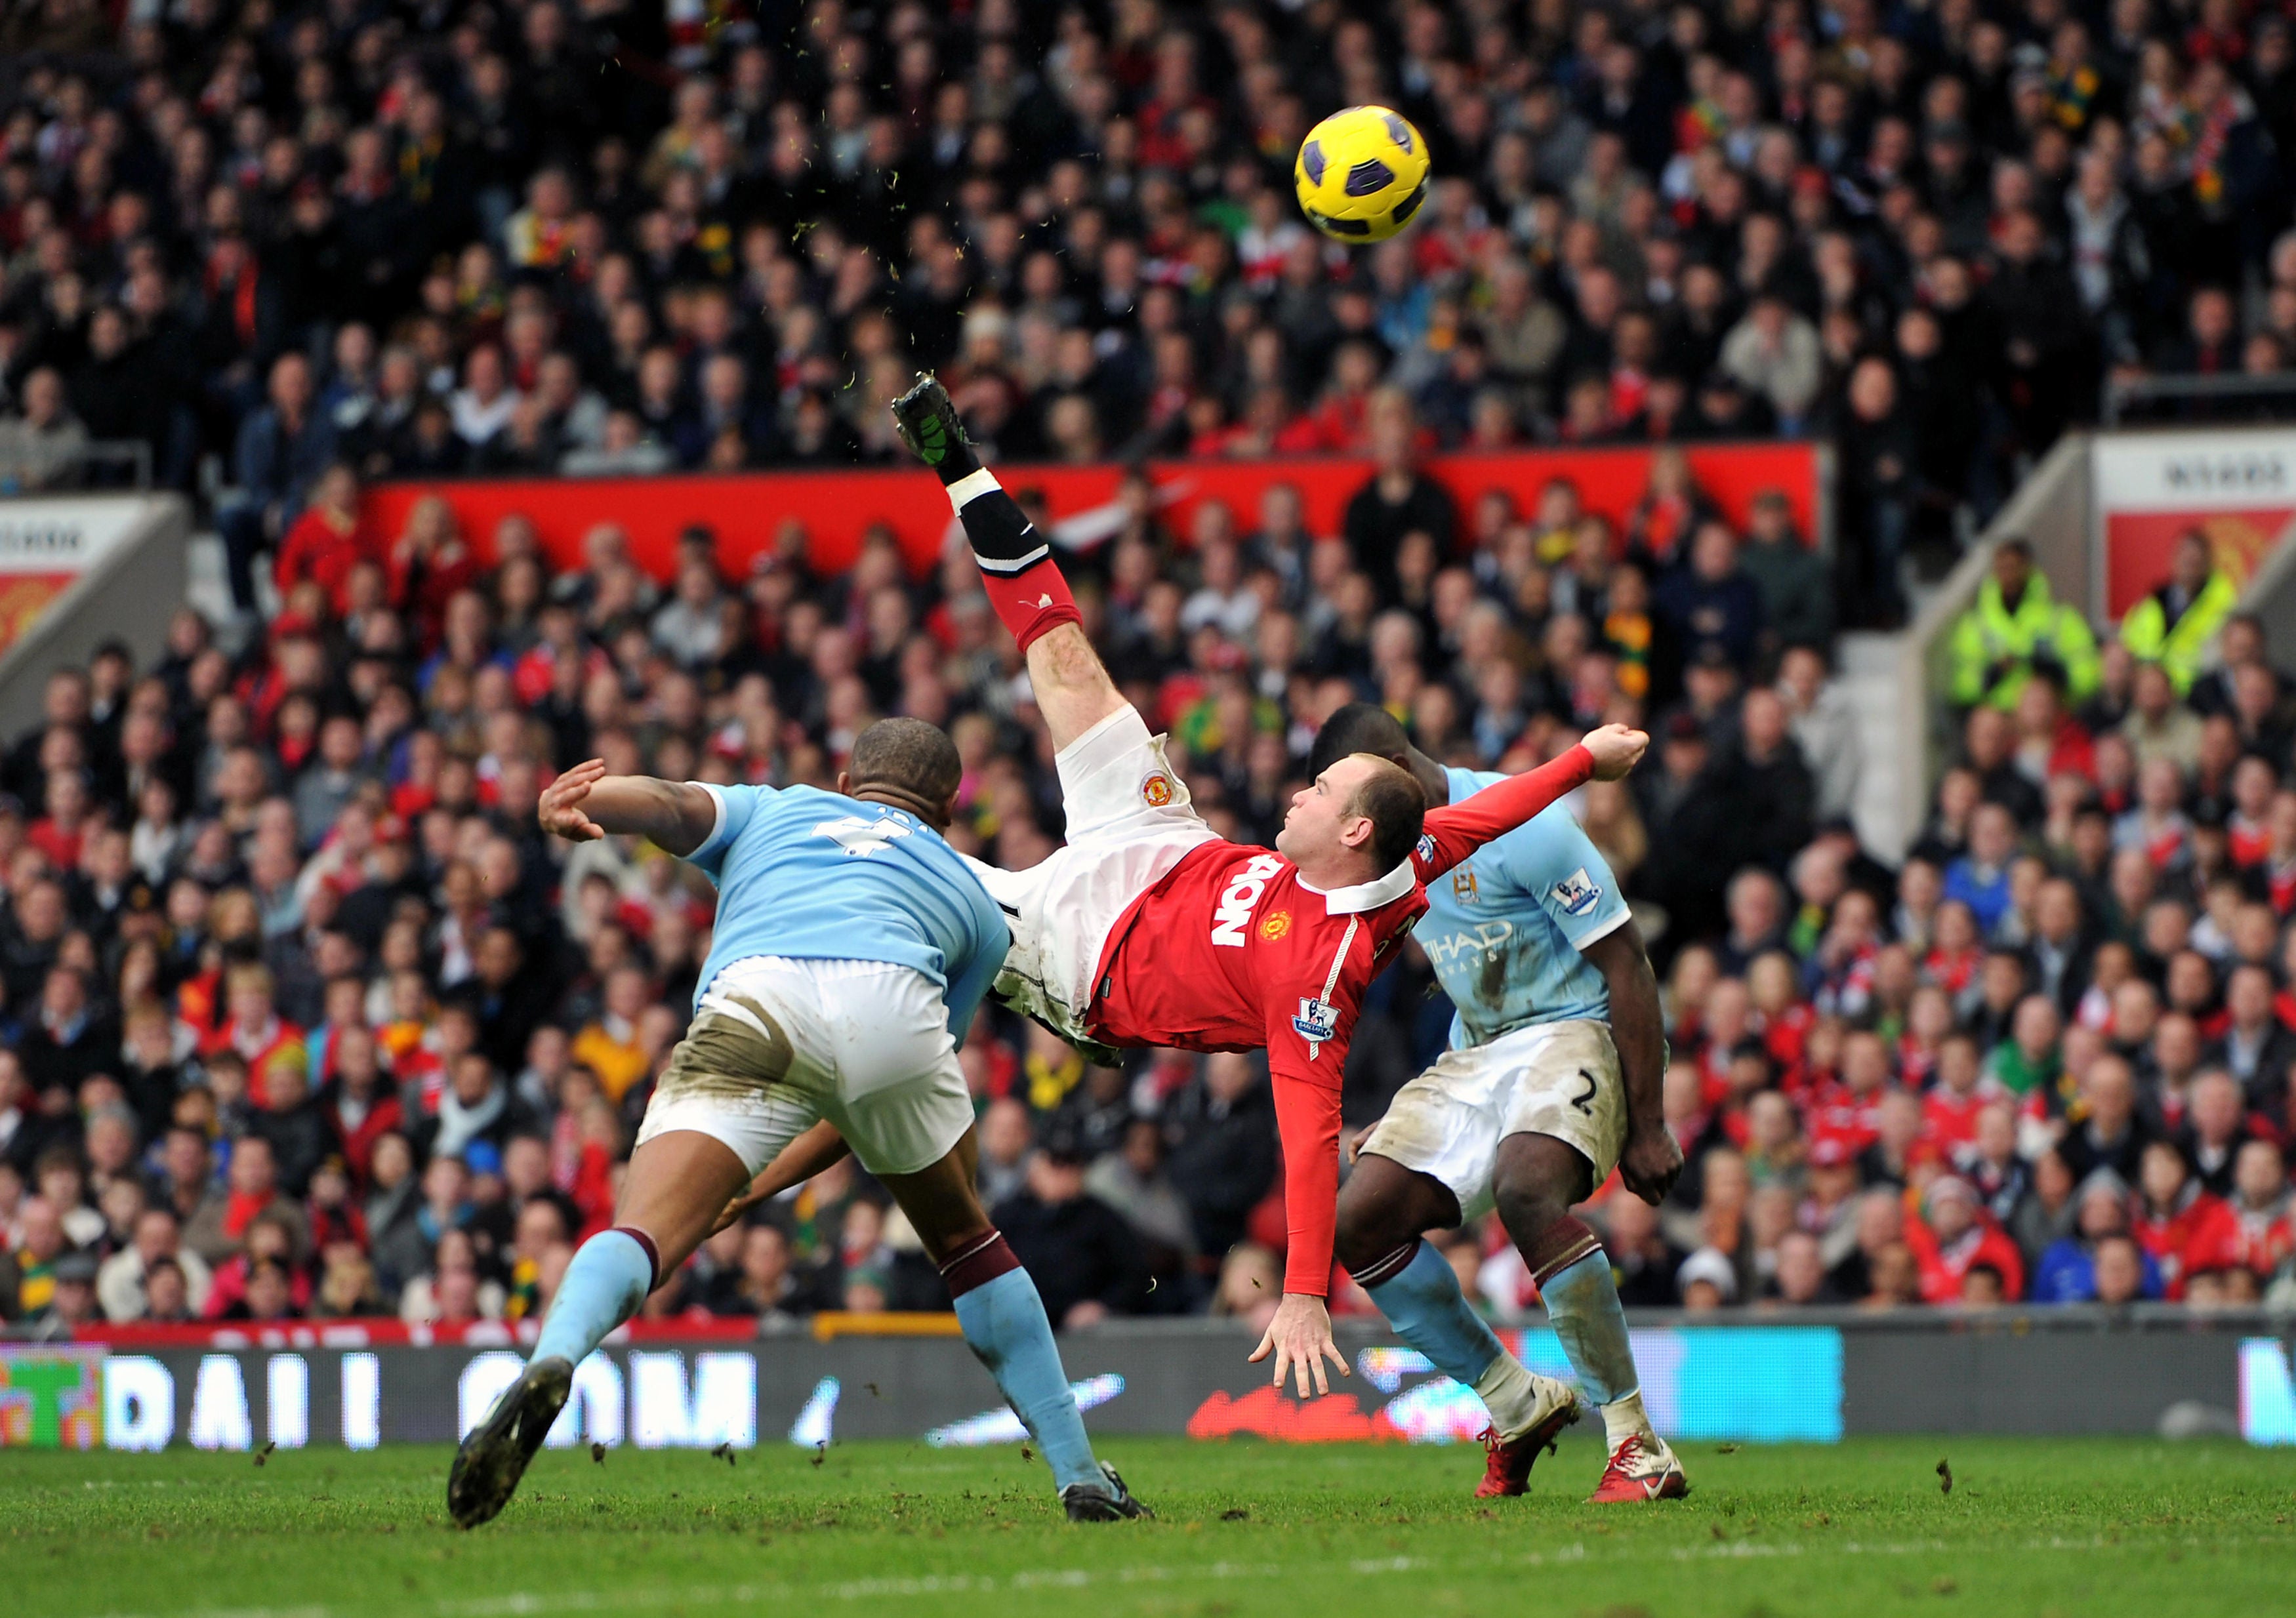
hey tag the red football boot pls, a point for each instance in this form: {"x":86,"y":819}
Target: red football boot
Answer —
{"x":1640,"y":1469}
{"x":1506,"y":1461}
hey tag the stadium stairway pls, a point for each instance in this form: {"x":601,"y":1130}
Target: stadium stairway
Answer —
{"x":1887,"y":807}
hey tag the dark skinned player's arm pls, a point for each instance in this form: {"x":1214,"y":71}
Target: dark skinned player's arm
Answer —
{"x":1651,"y":1159}
{"x":586,"y":804}
{"x":1637,"y":1026}
{"x":798,"y":1162}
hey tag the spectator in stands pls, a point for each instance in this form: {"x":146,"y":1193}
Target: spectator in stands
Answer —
{"x":283,"y":450}
{"x":1798,"y":605}
{"x":1955,"y":1234}
{"x":43,"y":445}
{"x":2068,"y":1272}
{"x":329,"y":541}
{"x":1071,"y":1242}
{"x":1400,"y":499}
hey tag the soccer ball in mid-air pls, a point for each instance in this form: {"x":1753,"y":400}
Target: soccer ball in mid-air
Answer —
{"x":1361,"y":174}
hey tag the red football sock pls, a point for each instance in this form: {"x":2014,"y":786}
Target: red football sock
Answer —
{"x":1031,"y":603}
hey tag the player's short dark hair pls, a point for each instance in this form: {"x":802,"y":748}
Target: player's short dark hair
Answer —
{"x":909,"y":754}
{"x":1392,"y":799}
{"x":1357,"y":727}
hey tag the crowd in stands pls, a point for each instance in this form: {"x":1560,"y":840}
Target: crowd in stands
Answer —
{"x":304,"y":1017}
{"x":534,"y":237}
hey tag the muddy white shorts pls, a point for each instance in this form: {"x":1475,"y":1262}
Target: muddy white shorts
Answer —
{"x":1558,"y":1079}
{"x":778,"y":1044}
{"x":1129,"y":822}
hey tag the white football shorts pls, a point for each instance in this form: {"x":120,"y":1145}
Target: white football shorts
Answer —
{"x":1558,"y":1079}
{"x":1129,"y":822}
{"x":778,"y":1044}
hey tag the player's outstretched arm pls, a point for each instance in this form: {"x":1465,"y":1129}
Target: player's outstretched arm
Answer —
{"x":1456,"y":831}
{"x":586,"y":804}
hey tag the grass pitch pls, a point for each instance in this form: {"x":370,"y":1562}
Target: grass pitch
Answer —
{"x":2030,"y":1526}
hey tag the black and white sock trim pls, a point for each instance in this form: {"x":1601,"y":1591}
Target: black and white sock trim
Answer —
{"x":999,"y":523}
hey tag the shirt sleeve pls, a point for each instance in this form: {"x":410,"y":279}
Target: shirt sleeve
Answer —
{"x":1556,"y":863}
{"x":1310,"y":1021}
{"x":736,"y":806}
{"x":1457,"y":829}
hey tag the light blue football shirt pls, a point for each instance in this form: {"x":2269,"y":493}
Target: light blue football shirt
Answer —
{"x":817,"y":876}
{"x":1504,"y":929}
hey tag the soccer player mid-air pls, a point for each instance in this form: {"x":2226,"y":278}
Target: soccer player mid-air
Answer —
{"x":1147,"y":928}
{"x":852,"y":947}
{"x":1558,"y":1052}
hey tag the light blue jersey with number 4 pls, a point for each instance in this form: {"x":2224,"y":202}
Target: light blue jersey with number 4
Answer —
{"x":1504,"y":929}
{"x":816,"y":876}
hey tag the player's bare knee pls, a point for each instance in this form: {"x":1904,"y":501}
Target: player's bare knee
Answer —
{"x":1528,"y":1210}
{"x":1366,"y":1229}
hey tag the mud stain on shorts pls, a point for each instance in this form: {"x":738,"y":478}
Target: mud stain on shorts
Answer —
{"x":724,"y":1056}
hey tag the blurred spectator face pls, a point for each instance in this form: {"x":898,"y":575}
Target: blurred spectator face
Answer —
{"x":1006,"y":1131}
{"x":41,"y":1224}
{"x":1881,"y":1221}
{"x":2110,"y":1088}
{"x":2215,"y":1107}
{"x":1754,"y":906}
{"x":1897,"y":1278}
{"x":539,"y":1227}
{"x":1801,"y":1268}
{"x":1980,"y":1288}
{"x":2104,"y":1211}
{"x":252,"y":1172}
{"x":1865,"y":1063}
{"x":2120,"y":1272}
{"x":2161,"y":1174}
{"x":268,"y":1295}
{"x":2035,"y":1027}
{"x":765,"y":1261}
{"x":446,"y":1182}
{"x":165,"y":1297}
{"x":2258,"y":1175}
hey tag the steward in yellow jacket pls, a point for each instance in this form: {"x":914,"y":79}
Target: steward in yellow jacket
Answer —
{"x":2014,"y":626}
{"x":2173,"y":625}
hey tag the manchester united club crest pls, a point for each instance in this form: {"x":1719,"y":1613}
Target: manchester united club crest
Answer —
{"x":1158,"y":789}
{"x":1275,"y":925}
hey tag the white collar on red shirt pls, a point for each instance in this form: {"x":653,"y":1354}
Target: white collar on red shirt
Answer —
{"x":1366,"y":895}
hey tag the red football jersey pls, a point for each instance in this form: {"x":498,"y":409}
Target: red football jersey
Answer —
{"x":1232,"y":950}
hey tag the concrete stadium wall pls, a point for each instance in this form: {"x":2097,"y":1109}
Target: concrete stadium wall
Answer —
{"x":1842,"y":1374}
{"x":128,"y":592}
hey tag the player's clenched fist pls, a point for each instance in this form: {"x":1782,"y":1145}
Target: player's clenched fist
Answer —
{"x":1616,"y":749}
{"x":560,"y":809}
{"x":1299,"y":1337}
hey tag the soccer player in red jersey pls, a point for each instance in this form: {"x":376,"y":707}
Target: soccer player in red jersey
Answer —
{"x":1149,"y":930}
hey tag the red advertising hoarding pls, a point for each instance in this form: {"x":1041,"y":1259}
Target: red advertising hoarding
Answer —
{"x":746,"y":511}
{"x":2235,"y":487}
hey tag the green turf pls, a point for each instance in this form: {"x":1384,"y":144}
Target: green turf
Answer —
{"x":2073,"y":1527}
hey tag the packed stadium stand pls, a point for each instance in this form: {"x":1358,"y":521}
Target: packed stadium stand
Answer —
{"x":306,"y":1019}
